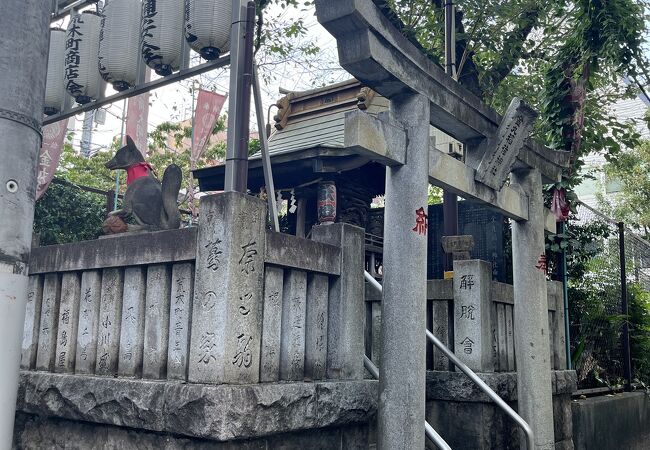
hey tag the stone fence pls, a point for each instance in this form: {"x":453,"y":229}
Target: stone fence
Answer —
{"x":211,"y":305}
{"x":225,"y":303}
{"x":480,"y":314}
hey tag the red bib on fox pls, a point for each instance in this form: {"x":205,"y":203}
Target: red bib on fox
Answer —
{"x":136,"y":171}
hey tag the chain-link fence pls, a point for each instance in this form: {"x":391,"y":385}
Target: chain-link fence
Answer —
{"x":596,"y":293}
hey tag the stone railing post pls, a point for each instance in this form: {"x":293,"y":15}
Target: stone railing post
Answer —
{"x":228,"y":290}
{"x":472,"y":314}
{"x":346,"y":315}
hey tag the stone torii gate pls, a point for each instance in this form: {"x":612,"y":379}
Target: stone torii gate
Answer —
{"x":373,"y":50}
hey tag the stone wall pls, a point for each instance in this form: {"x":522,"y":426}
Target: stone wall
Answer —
{"x":468,"y":420}
{"x":188,"y":332}
{"x":616,"y":422}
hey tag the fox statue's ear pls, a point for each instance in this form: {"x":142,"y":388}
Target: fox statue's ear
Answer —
{"x":130,"y":143}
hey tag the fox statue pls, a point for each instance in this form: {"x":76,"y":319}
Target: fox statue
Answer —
{"x":153,"y":204}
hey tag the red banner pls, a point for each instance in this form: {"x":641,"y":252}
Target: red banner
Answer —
{"x":137,"y":114}
{"x":137,"y":117}
{"x":48,"y":157}
{"x":208,"y":107}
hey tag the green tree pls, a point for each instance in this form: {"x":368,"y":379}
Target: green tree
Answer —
{"x":65,"y":213}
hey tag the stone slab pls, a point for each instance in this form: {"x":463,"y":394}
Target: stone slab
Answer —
{"x":179,"y":320}
{"x":220,"y":413}
{"x":473,"y":321}
{"x":456,"y":386}
{"x":299,"y":253}
{"x":110,"y":315}
{"x":440,"y":329}
{"x":346,"y":304}
{"x":48,"y":328}
{"x":66,"y":339}
{"x":503,"y":148}
{"x":510,"y":337}
{"x":132,"y":328}
{"x":228,"y":282}
{"x":156,"y":322}
{"x":156,"y":247}
{"x":375,"y":138}
{"x":292,"y":339}
{"x":32,"y":322}
{"x":272,"y":324}
{"x":88,"y":329}
{"x":34,"y":433}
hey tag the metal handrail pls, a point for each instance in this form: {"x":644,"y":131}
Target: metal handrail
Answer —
{"x":485,"y":388}
{"x":430,"y":432}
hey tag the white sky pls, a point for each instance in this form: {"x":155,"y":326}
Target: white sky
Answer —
{"x":173,"y":102}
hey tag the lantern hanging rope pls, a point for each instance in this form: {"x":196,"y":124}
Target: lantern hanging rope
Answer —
{"x":82,"y":78}
{"x":119,"y":43}
{"x":54,"y":86}
{"x":207,"y":26}
{"x":162,"y":34}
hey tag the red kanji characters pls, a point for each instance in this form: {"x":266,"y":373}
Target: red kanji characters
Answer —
{"x":421,"y":222}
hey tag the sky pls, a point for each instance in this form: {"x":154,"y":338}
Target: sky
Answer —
{"x":174,"y":102}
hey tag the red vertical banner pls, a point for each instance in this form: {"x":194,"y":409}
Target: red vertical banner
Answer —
{"x":50,"y":154}
{"x":137,"y":117}
{"x":137,"y":114}
{"x":208,"y":107}
{"x":206,"y":113}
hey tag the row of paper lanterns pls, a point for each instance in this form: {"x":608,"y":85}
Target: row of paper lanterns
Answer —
{"x":109,"y":44}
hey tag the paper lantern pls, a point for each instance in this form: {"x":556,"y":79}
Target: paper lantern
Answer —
{"x":82,"y":78}
{"x":54,"y":86}
{"x":162,"y":34}
{"x":119,"y":42}
{"x":207,"y":26}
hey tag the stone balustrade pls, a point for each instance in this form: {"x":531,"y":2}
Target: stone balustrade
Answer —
{"x":226,"y":302}
{"x":182,"y":337}
{"x":481,"y":314}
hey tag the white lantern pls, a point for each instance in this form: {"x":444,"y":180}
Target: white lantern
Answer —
{"x":119,"y":43}
{"x":207,"y":26}
{"x":162,"y":34}
{"x":54,"y":87}
{"x":82,"y":79}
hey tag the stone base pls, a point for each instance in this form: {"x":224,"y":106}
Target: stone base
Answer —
{"x":34,"y":432}
{"x":468,"y":420}
{"x":151,"y":412}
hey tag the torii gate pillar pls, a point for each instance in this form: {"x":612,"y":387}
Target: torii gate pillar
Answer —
{"x":534,"y":391}
{"x":403,"y":351}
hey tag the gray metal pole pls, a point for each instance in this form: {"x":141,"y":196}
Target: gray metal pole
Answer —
{"x":625,"y":337}
{"x":532,"y":351}
{"x":241,"y":68}
{"x":264,"y":145}
{"x":24,"y":35}
{"x":403,"y":344}
{"x":449,"y":199}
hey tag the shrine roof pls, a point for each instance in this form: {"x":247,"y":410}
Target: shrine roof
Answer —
{"x":316,"y":118}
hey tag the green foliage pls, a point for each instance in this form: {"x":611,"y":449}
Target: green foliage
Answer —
{"x":65,"y":213}
{"x":639,"y":322}
{"x":632,"y":203}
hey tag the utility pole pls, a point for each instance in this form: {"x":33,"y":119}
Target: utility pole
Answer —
{"x":449,"y":199}
{"x":239,"y":103}
{"x":24,"y":33}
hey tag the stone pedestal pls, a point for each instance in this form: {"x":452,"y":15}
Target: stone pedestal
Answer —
{"x":228,"y":299}
{"x":472,"y":314}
